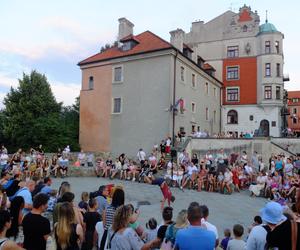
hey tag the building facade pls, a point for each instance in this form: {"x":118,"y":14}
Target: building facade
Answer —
{"x":131,"y":91}
{"x":248,"y":59}
{"x":294,"y":112}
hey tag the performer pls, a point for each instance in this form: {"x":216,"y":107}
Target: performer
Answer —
{"x":167,"y":194}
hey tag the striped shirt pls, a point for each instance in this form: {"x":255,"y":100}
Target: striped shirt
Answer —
{"x":109,"y":216}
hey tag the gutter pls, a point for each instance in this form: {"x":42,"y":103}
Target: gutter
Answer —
{"x":174,"y":99}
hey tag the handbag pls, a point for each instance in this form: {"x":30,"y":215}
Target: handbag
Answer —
{"x":166,"y":245}
{"x":51,"y":244}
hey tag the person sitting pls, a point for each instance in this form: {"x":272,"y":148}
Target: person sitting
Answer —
{"x":261,"y":181}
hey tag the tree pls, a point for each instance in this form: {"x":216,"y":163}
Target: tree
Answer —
{"x":32,"y":115}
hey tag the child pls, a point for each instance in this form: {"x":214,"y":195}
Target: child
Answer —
{"x":52,"y":200}
{"x":151,"y":231}
{"x":227,"y":238}
{"x":90,"y":220}
{"x":237,"y":243}
{"x":83,"y":204}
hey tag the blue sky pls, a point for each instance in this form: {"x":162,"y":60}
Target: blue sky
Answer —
{"x":52,"y":36}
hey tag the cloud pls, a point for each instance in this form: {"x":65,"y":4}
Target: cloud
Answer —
{"x":65,"y":93}
{"x":7,"y":81}
{"x":58,"y":37}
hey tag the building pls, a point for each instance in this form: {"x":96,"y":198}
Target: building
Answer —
{"x":294,"y":111}
{"x":144,"y":89}
{"x":248,"y":59}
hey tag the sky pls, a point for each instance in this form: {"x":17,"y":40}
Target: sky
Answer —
{"x":52,"y":36}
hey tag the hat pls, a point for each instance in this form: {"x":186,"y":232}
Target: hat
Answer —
{"x":272,"y":213}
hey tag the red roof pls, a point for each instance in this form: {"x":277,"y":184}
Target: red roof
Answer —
{"x":293,"y":94}
{"x":147,"y":42}
{"x":130,"y":38}
{"x":207,"y":66}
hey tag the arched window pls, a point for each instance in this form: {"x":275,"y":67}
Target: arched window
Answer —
{"x":232,"y":117}
{"x":245,"y":28}
{"x":91,"y":82}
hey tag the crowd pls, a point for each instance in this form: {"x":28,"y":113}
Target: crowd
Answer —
{"x":38,"y":217}
{"x":35,"y":216}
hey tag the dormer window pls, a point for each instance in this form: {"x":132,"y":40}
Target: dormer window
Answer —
{"x":128,"y":45}
{"x":187,"y":51}
{"x":200,"y":62}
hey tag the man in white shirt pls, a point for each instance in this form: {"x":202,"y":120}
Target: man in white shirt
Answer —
{"x":141,"y":155}
{"x":208,"y":225}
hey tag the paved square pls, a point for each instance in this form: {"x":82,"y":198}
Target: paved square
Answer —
{"x":225,"y":210}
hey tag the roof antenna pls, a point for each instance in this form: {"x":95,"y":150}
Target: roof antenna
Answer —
{"x":266,"y":16}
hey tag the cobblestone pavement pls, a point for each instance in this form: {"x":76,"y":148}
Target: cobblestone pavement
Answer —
{"x":225,"y":210}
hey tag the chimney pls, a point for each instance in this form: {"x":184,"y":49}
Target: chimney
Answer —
{"x":177,"y":37}
{"x":125,"y":28}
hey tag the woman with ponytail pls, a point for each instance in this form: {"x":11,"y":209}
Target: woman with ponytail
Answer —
{"x":68,"y":234}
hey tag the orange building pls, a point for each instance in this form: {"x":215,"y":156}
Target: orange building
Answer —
{"x":294,"y":109}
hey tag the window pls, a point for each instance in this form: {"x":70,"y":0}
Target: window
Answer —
{"x":193,"y":107}
{"x":294,"y":120}
{"x":268,"y":69}
{"x":118,"y":74}
{"x":215,"y":92}
{"x":182,"y":74}
{"x":117,"y":105}
{"x":294,"y":110}
{"x":268,"y":92}
{"x":278,"y":69}
{"x":245,"y":28}
{"x":91,"y":82}
{"x":232,"y":117}
{"x":193,"y":81}
{"x":206,"y":114}
{"x":233,"y":73}
{"x":277,"y":46}
{"x":278,"y":93}
{"x":273,"y":123}
{"x":295,"y":100}
{"x":232,"y":94}
{"x":193,"y":128}
{"x":251,"y":118}
{"x":206,"y":88}
{"x":267,"y":47}
{"x":232,"y":51}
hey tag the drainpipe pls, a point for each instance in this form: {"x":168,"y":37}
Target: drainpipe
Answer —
{"x":174,"y":100}
{"x":221,"y":105}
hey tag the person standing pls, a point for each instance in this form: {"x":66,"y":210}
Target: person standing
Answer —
{"x":5,"y":224}
{"x":118,"y":199}
{"x":195,"y":237}
{"x":36,"y":228}
{"x":141,"y":155}
{"x":208,"y":225}
{"x":67,"y":232}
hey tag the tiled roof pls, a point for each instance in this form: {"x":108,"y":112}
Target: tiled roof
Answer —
{"x":147,"y":42}
{"x":293,"y":94}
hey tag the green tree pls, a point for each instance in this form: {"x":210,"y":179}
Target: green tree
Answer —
{"x":32,"y":115}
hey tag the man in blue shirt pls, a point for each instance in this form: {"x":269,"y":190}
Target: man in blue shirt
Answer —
{"x":195,"y":237}
{"x":46,"y":189}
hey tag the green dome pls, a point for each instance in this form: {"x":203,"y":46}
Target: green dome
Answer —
{"x":267,"y":28}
